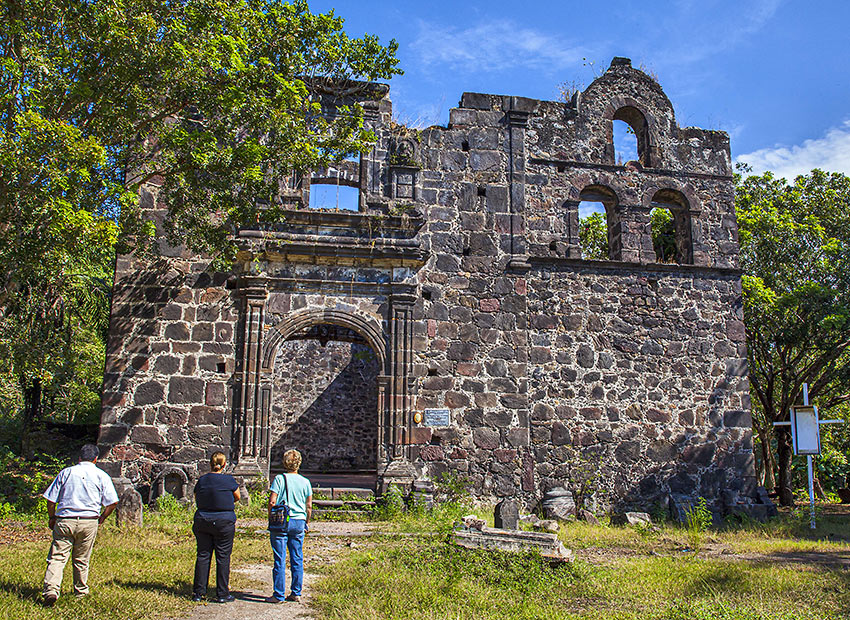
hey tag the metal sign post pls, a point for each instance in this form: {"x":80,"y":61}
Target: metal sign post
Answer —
{"x":805,"y":436}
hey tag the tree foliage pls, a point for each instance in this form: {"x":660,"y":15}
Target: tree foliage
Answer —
{"x":663,"y":235}
{"x":795,"y":254}
{"x":214,"y":102}
{"x":593,"y":235}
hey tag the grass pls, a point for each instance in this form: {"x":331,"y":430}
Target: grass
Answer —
{"x":135,"y":573}
{"x":621,"y":574}
{"x":627,"y":574}
{"x":436,"y":580}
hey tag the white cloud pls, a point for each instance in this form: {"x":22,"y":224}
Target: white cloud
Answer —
{"x":493,"y":45}
{"x":706,"y":28}
{"x":830,"y":153}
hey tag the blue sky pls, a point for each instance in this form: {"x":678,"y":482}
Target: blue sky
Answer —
{"x":775,"y":74}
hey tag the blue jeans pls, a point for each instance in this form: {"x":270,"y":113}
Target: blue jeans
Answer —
{"x":291,"y":540}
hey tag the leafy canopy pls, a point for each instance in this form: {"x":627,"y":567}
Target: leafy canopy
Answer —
{"x":593,"y":235}
{"x":213,"y":102}
{"x":795,"y":252}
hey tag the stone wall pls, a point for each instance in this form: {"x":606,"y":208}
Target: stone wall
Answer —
{"x":643,"y":375}
{"x":325,"y":404}
{"x":462,"y":273}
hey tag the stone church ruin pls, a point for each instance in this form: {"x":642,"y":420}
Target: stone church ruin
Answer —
{"x":450,"y":324}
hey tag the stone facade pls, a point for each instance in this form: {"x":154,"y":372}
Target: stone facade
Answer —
{"x":461,"y":273}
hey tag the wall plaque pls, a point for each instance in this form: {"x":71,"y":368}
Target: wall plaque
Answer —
{"x":437,"y":417}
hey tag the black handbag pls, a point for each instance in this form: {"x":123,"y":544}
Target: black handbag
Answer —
{"x":279,"y":513}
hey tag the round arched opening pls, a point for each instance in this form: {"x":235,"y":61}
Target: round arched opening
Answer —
{"x":325,"y":404}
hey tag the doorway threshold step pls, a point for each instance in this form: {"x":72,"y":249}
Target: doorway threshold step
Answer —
{"x":344,"y":492}
{"x":339,"y":503}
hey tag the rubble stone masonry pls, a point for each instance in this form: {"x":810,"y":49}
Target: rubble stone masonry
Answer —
{"x":458,"y":284}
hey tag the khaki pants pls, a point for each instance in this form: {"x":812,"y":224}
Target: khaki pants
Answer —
{"x":74,"y":537}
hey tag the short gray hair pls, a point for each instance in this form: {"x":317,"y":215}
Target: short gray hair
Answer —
{"x":89,"y":452}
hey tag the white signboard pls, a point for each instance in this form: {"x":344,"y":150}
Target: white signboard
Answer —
{"x":805,"y":432}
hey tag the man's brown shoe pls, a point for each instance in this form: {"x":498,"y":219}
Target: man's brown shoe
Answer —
{"x":293,"y":598}
{"x":49,"y":600}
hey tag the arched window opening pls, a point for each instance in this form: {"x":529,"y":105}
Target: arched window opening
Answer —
{"x":339,"y":197}
{"x":636,"y":128}
{"x":663,"y":235}
{"x":625,"y":143}
{"x":593,"y":230}
{"x":670,"y":220}
{"x":598,"y":224}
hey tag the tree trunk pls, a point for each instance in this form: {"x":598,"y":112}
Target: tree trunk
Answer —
{"x":785,"y":452}
{"x":819,"y":492}
{"x":768,"y":462}
{"x":32,"y":411}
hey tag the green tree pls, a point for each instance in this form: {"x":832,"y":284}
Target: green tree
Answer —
{"x":795,"y":254}
{"x":215,"y":102}
{"x":663,"y":235}
{"x":593,"y":235}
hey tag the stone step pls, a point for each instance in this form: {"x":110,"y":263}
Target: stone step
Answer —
{"x":338,"y":503}
{"x":340,"y":492}
{"x":348,"y":514}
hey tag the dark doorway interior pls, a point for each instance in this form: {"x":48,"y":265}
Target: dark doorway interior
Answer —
{"x":325,"y":403}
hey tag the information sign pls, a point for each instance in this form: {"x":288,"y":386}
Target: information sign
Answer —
{"x":437,"y":417}
{"x":806,"y":432}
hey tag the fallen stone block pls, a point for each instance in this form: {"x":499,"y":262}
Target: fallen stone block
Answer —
{"x":472,"y":522}
{"x":514,"y":541}
{"x":588,"y":517}
{"x":558,"y":503}
{"x":640,"y":519}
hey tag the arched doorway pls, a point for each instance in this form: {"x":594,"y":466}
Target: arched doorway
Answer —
{"x":325,"y":403}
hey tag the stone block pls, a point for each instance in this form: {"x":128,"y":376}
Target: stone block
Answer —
{"x":585,"y":356}
{"x":203,"y":332}
{"x":558,"y":503}
{"x":185,"y":390}
{"x":146,"y":434}
{"x":431,"y":453}
{"x":737,"y":419}
{"x":166,"y":365}
{"x":420,"y":435}
{"x":201,"y":415}
{"x":485,"y":438}
{"x":216,"y":394}
{"x":129,"y":512}
{"x":456,"y":400}
{"x":171,"y":416}
{"x":561,"y":434}
{"x":506,"y":515}
{"x":639,"y":519}
{"x":485,"y":161}
{"x":176,"y":331}
{"x":148,"y":393}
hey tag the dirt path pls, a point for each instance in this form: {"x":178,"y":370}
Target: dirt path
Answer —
{"x":325,"y":542}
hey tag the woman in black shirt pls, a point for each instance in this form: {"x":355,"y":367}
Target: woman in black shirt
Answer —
{"x":214,"y":527}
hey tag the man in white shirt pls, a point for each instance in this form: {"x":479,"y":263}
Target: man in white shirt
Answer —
{"x":74,"y":501}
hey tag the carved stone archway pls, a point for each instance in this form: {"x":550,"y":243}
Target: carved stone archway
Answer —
{"x":389,"y":338}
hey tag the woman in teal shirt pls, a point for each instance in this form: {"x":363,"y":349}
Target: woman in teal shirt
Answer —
{"x":295,"y":491}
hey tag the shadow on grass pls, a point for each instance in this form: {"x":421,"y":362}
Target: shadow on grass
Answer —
{"x":818,"y":559}
{"x":181,"y":589}
{"x":742,"y":577}
{"x":23,"y":591}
